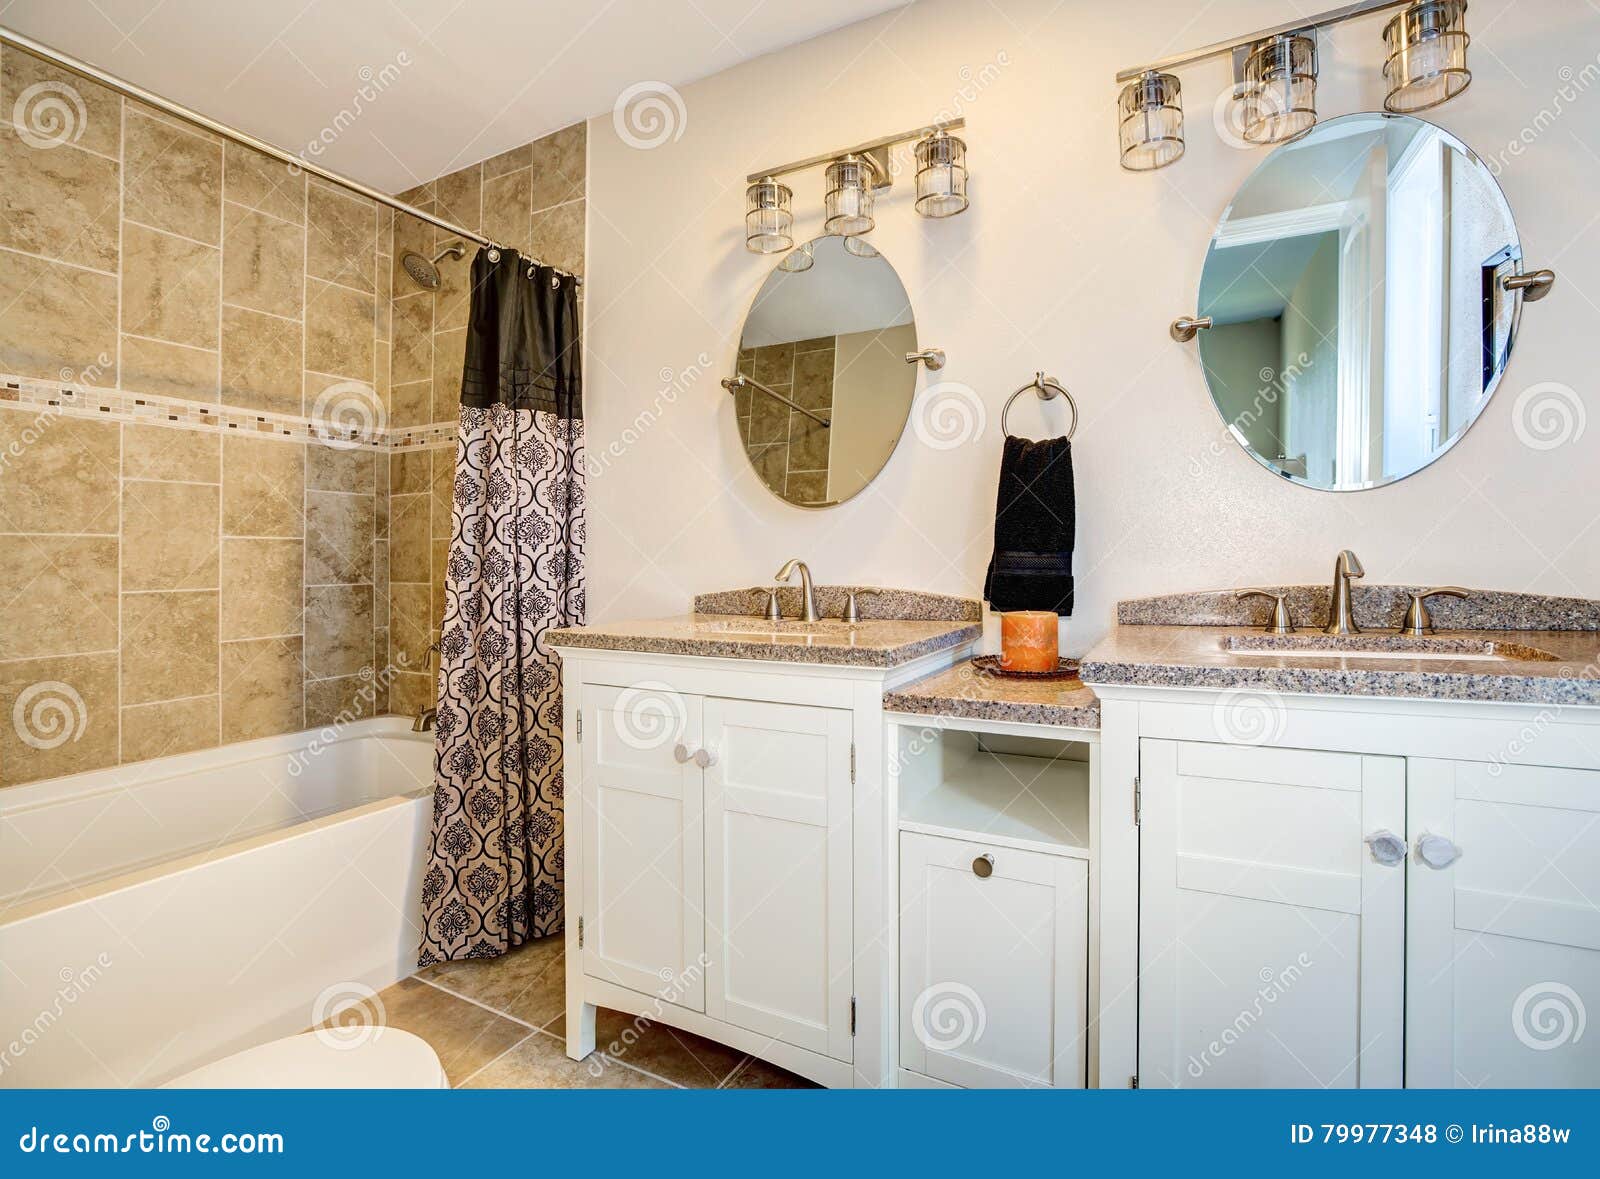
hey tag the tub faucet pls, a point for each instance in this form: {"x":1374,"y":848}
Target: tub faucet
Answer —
{"x":1341,"y":619}
{"x":808,"y":592}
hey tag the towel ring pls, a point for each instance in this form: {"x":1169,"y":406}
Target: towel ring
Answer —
{"x":1047,"y":388}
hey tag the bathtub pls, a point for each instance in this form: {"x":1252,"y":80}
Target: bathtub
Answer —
{"x":157,"y":916}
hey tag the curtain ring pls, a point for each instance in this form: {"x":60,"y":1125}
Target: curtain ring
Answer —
{"x":494,"y":252}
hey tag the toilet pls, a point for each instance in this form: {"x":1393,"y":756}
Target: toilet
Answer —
{"x":391,"y":1059}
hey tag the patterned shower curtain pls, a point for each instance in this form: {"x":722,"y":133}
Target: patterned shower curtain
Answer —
{"x":515,"y":570}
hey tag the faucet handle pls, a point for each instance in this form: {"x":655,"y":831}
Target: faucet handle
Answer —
{"x":1417,"y":620}
{"x":774,"y":613}
{"x":1280,"y":623}
{"x":851,"y":614}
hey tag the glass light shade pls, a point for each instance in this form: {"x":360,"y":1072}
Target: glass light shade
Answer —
{"x":1280,"y":96}
{"x":941,"y":175}
{"x":860,"y":247}
{"x":1150,"y":122}
{"x":768,"y":218}
{"x":1427,"y":55}
{"x":798,"y":260}
{"x":847,"y":205}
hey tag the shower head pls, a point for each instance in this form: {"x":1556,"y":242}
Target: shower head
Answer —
{"x":425,"y":271}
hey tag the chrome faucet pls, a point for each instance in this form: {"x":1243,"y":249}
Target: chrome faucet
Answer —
{"x":808,"y":592}
{"x":426,"y":716}
{"x":1341,"y":620}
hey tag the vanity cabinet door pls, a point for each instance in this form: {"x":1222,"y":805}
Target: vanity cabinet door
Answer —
{"x":1503,"y":926}
{"x":778,"y":871}
{"x":1271,"y":934}
{"x":643,"y":860}
{"x":994,"y":964}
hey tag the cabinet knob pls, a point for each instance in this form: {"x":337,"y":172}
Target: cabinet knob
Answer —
{"x":1387,"y":847}
{"x":681,"y":754}
{"x":983,"y":866}
{"x":704,"y":758}
{"x":1437,"y":851}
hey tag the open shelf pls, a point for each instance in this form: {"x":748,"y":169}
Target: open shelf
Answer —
{"x":1024,"y":793}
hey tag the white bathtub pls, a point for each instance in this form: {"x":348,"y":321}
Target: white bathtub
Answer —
{"x":158,"y":916}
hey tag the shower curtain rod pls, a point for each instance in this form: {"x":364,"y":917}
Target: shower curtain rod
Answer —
{"x":82,"y":68}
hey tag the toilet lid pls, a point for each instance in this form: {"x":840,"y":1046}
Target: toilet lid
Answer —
{"x":389,"y":1059}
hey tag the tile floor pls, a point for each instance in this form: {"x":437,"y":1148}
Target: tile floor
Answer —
{"x":497,"y":1023}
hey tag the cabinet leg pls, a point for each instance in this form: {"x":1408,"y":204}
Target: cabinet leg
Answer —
{"x":580,"y":1029}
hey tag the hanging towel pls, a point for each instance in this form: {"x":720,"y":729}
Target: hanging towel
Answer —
{"x":1034,"y":526}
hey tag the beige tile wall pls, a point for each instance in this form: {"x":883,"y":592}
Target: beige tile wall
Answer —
{"x":187,"y":588}
{"x":788,"y":450}
{"x":531,"y":198}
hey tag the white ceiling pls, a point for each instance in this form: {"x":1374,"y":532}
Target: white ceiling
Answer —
{"x":479,"y":76}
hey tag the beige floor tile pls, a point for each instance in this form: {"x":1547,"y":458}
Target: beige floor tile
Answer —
{"x":465,"y":1036}
{"x":540,"y":1062}
{"x":674,"y":1055}
{"x":529,"y":983}
{"x":758,"y":1074}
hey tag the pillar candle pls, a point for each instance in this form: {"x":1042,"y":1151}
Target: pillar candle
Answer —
{"x":1029,"y":640}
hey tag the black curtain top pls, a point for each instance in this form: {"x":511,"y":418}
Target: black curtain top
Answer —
{"x":522,"y":337}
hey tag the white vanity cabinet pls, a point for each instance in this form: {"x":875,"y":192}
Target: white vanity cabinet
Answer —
{"x":1379,"y":892}
{"x":730,"y":855}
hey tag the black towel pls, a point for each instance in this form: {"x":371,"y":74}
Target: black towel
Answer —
{"x":1034,"y":524}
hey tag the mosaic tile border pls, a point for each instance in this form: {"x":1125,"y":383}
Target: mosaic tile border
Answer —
{"x":90,"y":401}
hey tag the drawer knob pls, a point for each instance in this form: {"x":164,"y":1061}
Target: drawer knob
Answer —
{"x":681,"y":754}
{"x":704,"y":758}
{"x":983,"y":866}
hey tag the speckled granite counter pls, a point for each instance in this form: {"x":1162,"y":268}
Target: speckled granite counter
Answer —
{"x":871,"y":643}
{"x":1540,"y":666}
{"x":963,"y":691}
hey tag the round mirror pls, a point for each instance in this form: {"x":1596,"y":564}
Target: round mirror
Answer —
{"x":1355,"y":289}
{"x":826,"y":389}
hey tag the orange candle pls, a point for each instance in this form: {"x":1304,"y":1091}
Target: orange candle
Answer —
{"x":1029,"y":641}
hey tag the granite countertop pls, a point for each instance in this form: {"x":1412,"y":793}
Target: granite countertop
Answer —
{"x":881,"y":642}
{"x":963,"y":691}
{"x":1559,"y":667}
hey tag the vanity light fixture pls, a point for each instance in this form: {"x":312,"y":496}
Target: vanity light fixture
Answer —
{"x":1427,"y":55}
{"x":768,"y":218}
{"x":941,"y":175}
{"x":1150,"y":122}
{"x":1280,"y":88}
{"x":1275,"y":76}
{"x":847,"y":204}
{"x":853,"y":180}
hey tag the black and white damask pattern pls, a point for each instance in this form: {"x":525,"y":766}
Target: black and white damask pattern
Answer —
{"x":515,"y":570}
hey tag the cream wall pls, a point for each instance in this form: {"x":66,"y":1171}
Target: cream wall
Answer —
{"x":1063,"y":263}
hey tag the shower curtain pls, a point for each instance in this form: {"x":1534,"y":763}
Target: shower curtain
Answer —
{"x":515,"y":570}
